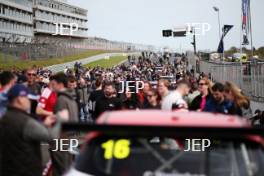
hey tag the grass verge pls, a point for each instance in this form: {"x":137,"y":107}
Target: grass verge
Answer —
{"x":8,"y":62}
{"x":107,"y":63}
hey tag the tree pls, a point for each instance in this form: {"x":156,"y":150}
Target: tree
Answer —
{"x":260,"y":52}
{"x":231,"y":51}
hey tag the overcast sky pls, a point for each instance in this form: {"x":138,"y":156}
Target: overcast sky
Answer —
{"x":141,"y":21}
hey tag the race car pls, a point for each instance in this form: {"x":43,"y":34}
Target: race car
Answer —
{"x":157,"y":143}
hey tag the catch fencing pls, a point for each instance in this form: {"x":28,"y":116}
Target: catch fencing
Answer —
{"x":54,"y":47}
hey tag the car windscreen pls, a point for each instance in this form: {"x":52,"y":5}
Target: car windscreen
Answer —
{"x":161,"y":156}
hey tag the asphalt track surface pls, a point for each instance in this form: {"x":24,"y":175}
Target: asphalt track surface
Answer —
{"x":61,"y":67}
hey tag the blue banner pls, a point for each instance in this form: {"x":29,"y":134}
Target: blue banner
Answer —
{"x":226,"y":29}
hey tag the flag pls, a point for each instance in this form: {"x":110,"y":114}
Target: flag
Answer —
{"x":245,"y":21}
{"x":226,"y":29}
{"x":221,"y":46}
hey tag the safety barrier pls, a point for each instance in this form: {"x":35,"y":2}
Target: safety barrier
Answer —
{"x":248,"y":76}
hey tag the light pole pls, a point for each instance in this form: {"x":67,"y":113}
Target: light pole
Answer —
{"x":218,"y":12}
{"x":219,"y":24}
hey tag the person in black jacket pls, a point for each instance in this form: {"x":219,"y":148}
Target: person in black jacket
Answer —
{"x":199,"y":102}
{"x":131,"y":100}
{"x":21,"y":135}
{"x":109,"y":102}
{"x":153,"y":100}
{"x":95,"y":95}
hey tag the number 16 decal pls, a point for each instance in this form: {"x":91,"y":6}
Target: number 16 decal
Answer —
{"x":119,"y":149}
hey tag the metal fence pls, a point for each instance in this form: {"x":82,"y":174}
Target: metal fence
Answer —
{"x":36,"y":51}
{"x":248,"y":76}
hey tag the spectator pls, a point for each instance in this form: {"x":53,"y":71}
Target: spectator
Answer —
{"x":255,"y":120}
{"x":218,"y":103}
{"x":7,"y":81}
{"x":131,"y":100}
{"x":34,"y":87}
{"x":95,"y":95}
{"x":32,"y":84}
{"x":22,"y":135}
{"x":194,"y":92}
{"x":62,"y":160}
{"x":163,"y":88}
{"x":72,"y":89}
{"x":199,"y":102}
{"x":83,"y":92}
{"x":240,"y":103}
{"x":66,"y":70}
{"x":143,"y":94}
{"x":108,"y":102}
{"x":153,"y":100}
{"x":22,"y":78}
{"x":175,"y":99}
{"x":47,"y":101}
{"x":72,"y":83}
{"x":65,"y":97}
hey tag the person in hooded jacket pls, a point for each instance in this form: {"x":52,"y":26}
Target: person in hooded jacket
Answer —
{"x":62,"y":160}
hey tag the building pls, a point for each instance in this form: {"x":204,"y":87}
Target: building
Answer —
{"x":28,"y":30}
{"x":24,"y":20}
{"x":16,"y":21}
{"x":49,"y":13}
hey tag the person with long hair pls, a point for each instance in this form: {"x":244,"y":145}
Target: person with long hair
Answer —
{"x":153,"y":100}
{"x":142,"y":95}
{"x":131,"y":100}
{"x":241,"y":103}
{"x":199,"y":102}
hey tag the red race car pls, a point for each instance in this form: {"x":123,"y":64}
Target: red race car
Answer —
{"x":157,"y":143}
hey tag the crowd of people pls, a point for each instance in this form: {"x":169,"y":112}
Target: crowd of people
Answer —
{"x":34,"y":102}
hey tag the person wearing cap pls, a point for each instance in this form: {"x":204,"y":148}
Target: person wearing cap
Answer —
{"x":21,"y":135}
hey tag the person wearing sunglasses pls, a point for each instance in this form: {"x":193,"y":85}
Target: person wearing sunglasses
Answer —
{"x":199,"y":102}
{"x":32,"y":84}
{"x":34,"y":87}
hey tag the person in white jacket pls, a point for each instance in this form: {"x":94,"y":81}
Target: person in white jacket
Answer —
{"x":174,"y":100}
